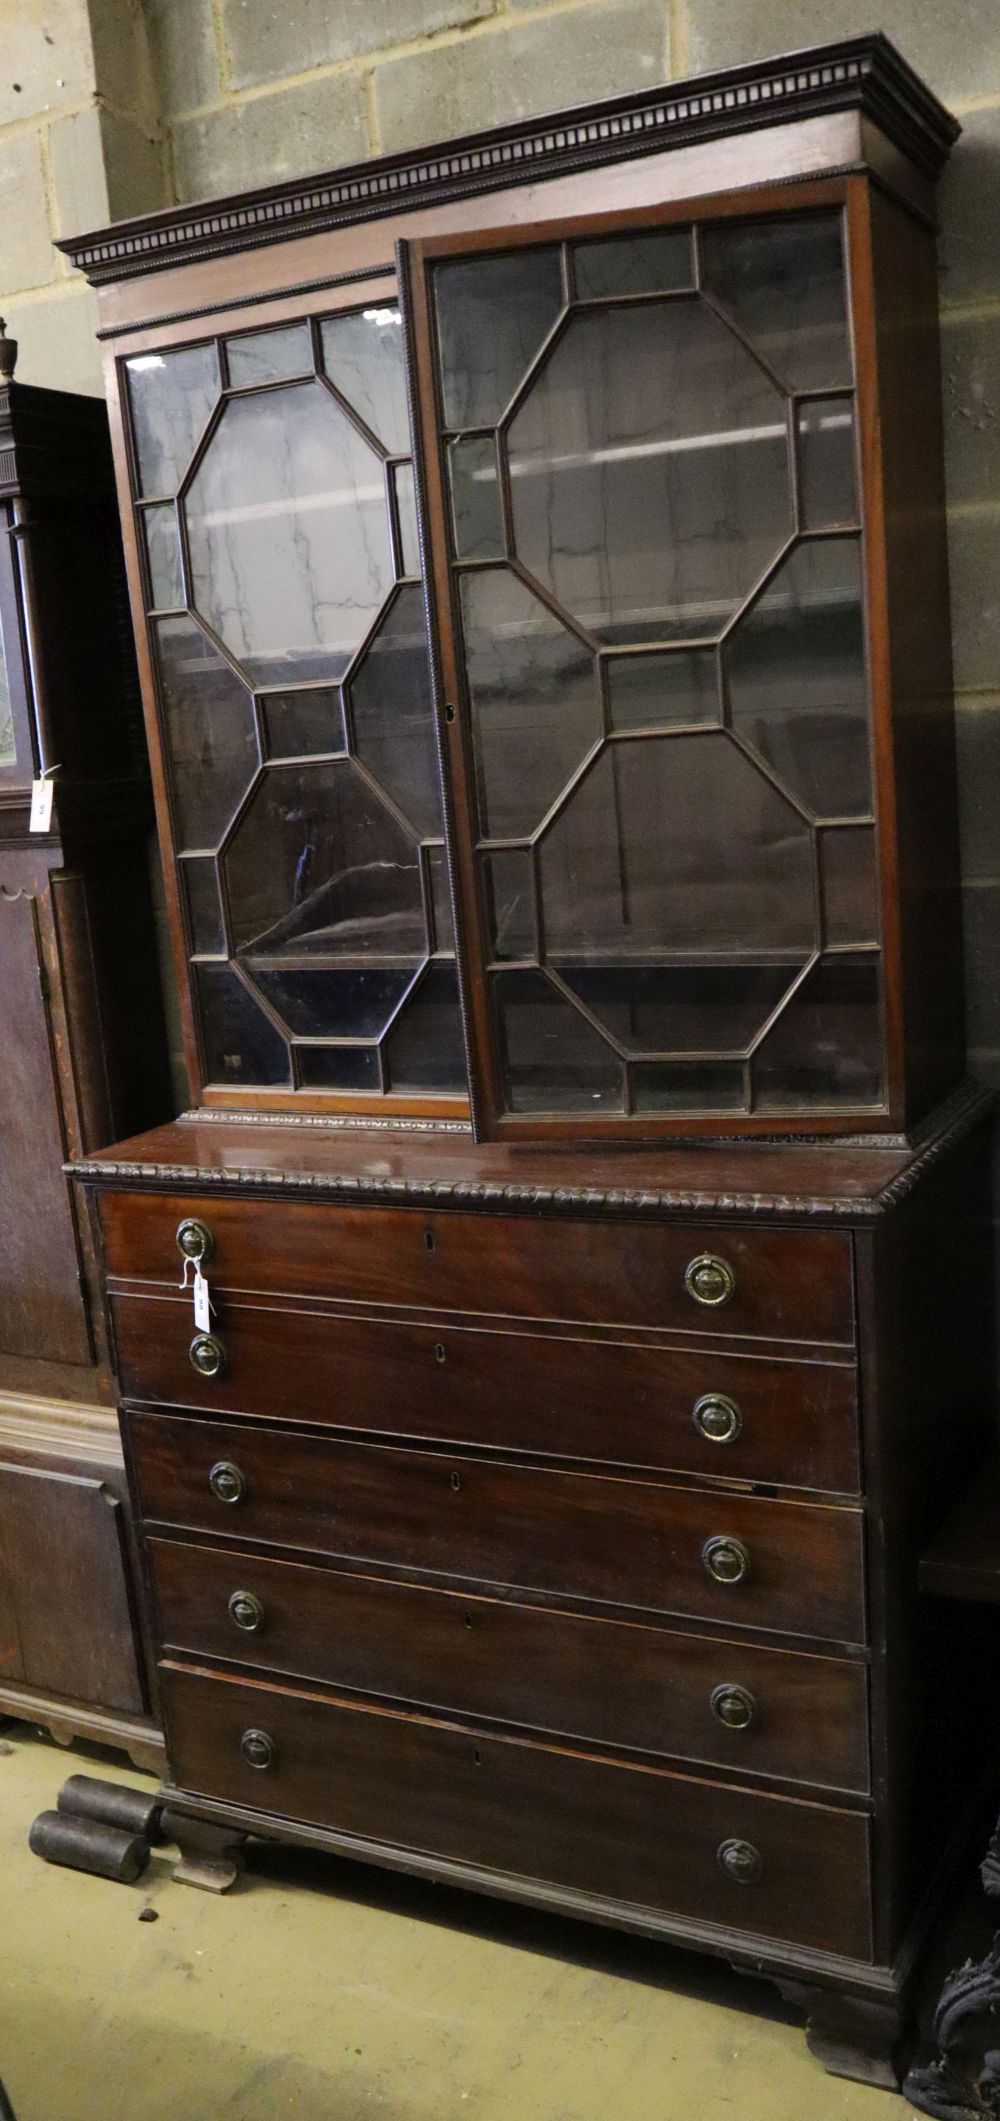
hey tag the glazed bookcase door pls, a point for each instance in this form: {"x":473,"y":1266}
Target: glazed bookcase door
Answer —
{"x":276,"y":527}
{"x":643,"y":497}
{"x":17,"y":760}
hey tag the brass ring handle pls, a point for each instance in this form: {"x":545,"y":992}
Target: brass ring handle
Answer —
{"x":207,"y":1355}
{"x":709,"y":1279}
{"x":194,"y":1240}
{"x":727,"y":1560}
{"x":733,"y":1706}
{"x":717,"y":1417}
{"x":740,"y":1861}
{"x":258,"y":1750}
{"x":246,"y":1611}
{"x":227,"y":1482}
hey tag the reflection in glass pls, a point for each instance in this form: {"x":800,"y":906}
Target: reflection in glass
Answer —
{"x":681,"y":1008}
{"x":8,"y":749}
{"x":552,"y":1060}
{"x":534,"y":701}
{"x":440,"y":891}
{"x":475,"y":499}
{"x":406,"y":508}
{"x":163,"y":552}
{"x":339,"y":1068}
{"x":363,"y":357}
{"x":200,"y":886}
{"x":289,"y":539}
{"x":328,"y":1001}
{"x":783,"y":283}
{"x":392,"y":712}
{"x":171,"y":395}
{"x":688,"y":1086}
{"x":241,"y":1045}
{"x":649,"y":472}
{"x":825,"y":1048}
{"x":211,"y":738}
{"x":797,"y":684}
{"x":299,"y":724}
{"x":635,"y":264}
{"x":424,"y":1050}
{"x":492,"y":314}
{"x":848,"y":885}
{"x":827,"y":470}
{"x":265,"y":356}
{"x":676,"y":845}
{"x":654,"y":691}
{"x":510,"y":895}
{"x":319,"y":867}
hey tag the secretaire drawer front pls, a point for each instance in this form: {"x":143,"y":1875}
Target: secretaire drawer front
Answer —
{"x":772,"y":1866}
{"x":782,"y":1284}
{"x":749,"y":1561}
{"x":759,"y":1711}
{"x":748,"y":1417}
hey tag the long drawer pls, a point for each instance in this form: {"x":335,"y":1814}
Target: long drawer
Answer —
{"x":633,"y":1542}
{"x":787,"y":1284}
{"x":652,"y":1689}
{"x":792,"y":1423}
{"x":632,"y":1834}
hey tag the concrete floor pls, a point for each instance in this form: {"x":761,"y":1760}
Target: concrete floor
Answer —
{"x":328,"y":1992}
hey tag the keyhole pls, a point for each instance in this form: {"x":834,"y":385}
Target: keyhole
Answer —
{"x":467,"y":1617}
{"x":478,"y":1758}
{"x":429,"y":1240}
{"x":456,"y":1481}
{"x":440,"y":1352}
{"x":449,"y":712}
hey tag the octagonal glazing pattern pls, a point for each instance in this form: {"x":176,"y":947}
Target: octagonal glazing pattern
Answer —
{"x":664,"y":501}
{"x":282,"y":569}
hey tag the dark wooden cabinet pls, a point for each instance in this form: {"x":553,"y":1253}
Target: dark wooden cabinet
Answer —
{"x":84,"y":1052}
{"x":543,"y":631}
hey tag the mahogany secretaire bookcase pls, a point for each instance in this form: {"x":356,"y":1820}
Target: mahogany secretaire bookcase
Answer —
{"x":83,"y":1051}
{"x":538,"y":567}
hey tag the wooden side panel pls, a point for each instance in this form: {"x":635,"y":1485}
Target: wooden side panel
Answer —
{"x":42,"y":1309}
{"x":63,"y":1575}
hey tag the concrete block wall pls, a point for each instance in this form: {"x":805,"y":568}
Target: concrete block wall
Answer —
{"x":115,"y":104}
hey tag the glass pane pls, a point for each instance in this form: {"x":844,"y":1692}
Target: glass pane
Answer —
{"x":552,"y":1059}
{"x":510,"y":896}
{"x":317,"y":1001}
{"x":319,"y":871}
{"x":163,"y":551}
{"x":653,"y":691}
{"x":847,"y":874}
{"x":649,"y":472}
{"x":393,"y":716}
{"x":424,"y":1051}
{"x":634,"y":265}
{"x":200,"y":886}
{"x":685,"y":1086}
{"x":534,"y":701}
{"x":444,"y":927}
{"x":8,"y":749}
{"x":339,"y":1068}
{"x":797,"y":683}
{"x":688,"y":1008}
{"x":363,"y":357}
{"x":406,"y":506}
{"x":297,"y":724}
{"x":475,"y":499}
{"x":210,"y":732}
{"x":826,"y":1047}
{"x":289,"y":536}
{"x":827,"y":470}
{"x":492,"y":315}
{"x":264,"y":356}
{"x":241,"y":1045}
{"x":677,"y":846}
{"x":171,"y":395}
{"x":783,"y":282}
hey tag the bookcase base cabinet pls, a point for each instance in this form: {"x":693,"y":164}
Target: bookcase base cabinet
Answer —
{"x":646,"y":1654}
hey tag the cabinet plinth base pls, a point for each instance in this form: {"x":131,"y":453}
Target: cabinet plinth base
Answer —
{"x":211,"y":1856}
{"x":865,"y":2038}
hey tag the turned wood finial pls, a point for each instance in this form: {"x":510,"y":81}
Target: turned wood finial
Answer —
{"x":8,"y":354}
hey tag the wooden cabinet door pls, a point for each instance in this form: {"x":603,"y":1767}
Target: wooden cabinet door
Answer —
{"x":65,"y":1615}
